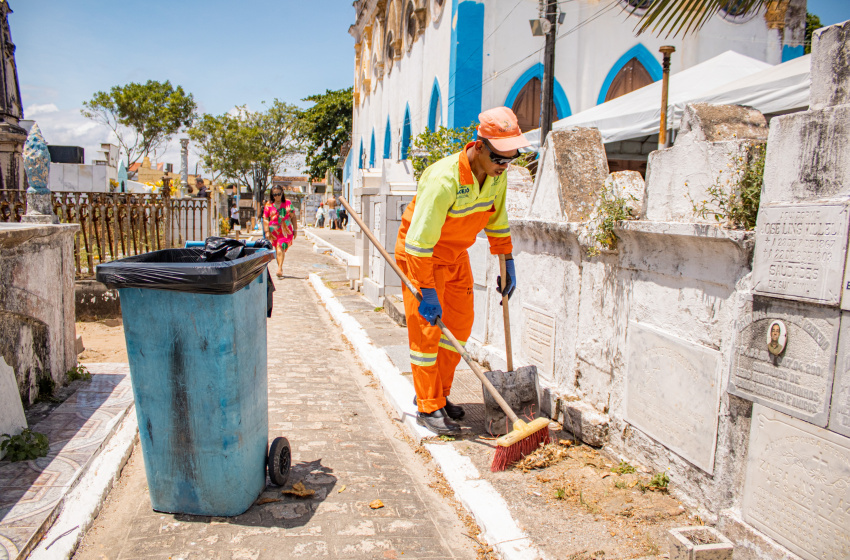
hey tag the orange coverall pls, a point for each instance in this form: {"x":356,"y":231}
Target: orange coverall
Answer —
{"x":449,"y":210}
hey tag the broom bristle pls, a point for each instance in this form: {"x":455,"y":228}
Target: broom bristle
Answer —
{"x":506,"y":456}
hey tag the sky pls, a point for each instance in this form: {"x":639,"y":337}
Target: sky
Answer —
{"x":224,"y":53}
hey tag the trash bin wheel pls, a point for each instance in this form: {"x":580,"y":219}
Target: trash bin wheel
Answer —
{"x":280,"y":459}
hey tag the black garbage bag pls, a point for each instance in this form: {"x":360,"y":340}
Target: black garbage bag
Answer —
{"x":218,"y":249}
{"x":190,"y":270}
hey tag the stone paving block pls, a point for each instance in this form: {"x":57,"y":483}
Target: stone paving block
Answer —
{"x":316,"y":402}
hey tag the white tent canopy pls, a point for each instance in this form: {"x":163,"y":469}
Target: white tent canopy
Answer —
{"x":781,"y":88}
{"x":728,"y":78}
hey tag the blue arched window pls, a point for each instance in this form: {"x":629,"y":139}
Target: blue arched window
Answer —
{"x":388,"y":138}
{"x":639,"y":53}
{"x":361,"y":160}
{"x":562,"y":104}
{"x":372,"y":151}
{"x":405,"y":133}
{"x":435,"y":109}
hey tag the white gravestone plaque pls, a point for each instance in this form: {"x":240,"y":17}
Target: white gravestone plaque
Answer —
{"x":538,"y":340}
{"x":839,"y":416}
{"x":797,"y":381}
{"x":12,"y":419}
{"x":797,"y":488}
{"x":673,"y":393}
{"x":800,"y":252}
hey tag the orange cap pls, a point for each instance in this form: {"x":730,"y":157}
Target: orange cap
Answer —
{"x":499,"y":126}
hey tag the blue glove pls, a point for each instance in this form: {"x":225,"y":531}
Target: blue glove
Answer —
{"x":510,"y":282}
{"x":430,"y":307}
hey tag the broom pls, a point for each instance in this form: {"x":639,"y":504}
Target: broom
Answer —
{"x":525,"y":437}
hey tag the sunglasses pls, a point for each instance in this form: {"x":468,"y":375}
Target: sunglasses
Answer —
{"x":499,"y":160}
{"x":277,"y":194}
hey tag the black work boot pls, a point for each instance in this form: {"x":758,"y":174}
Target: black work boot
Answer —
{"x":454,"y":411}
{"x":438,"y":422}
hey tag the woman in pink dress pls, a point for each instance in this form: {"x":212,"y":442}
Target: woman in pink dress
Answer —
{"x":280,"y":225}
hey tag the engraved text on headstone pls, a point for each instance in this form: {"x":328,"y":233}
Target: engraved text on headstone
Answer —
{"x":799,"y":380}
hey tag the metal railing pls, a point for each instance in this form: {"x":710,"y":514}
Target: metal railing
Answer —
{"x":117,"y":225}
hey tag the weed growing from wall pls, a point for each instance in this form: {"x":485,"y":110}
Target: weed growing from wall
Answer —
{"x":609,"y":209}
{"x":733,"y":199}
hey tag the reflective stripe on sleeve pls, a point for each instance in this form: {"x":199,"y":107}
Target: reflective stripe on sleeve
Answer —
{"x":418,"y":251}
{"x":497,"y":231}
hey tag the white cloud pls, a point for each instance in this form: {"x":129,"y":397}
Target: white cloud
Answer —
{"x":35,"y":110}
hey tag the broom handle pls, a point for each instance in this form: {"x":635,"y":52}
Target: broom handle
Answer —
{"x":476,"y":369}
{"x":506,"y":316}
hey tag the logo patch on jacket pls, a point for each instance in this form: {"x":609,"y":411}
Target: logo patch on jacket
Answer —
{"x":463,"y":191}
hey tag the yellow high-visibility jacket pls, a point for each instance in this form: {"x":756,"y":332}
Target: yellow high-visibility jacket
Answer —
{"x":449,"y":210}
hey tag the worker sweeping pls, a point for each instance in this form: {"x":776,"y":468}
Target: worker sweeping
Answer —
{"x":456,"y":198}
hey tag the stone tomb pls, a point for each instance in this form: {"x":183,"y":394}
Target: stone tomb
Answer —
{"x":839,"y":417}
{"x":797,"y":485}
{"x":673,"y":393}
{"x":800,"y":251}
{"x":797,"y":381}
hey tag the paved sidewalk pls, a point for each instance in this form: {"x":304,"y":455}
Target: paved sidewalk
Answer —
{"x":340,"y":239}
{"x":32,"y":492}
{"x":345,"y":447}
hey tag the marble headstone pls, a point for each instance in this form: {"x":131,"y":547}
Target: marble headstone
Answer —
{"x":839,"y":416}
{"x":797,"y":485}
{"x":797,"y":381}
{"x":12,"y":419}
{"x":538,"y":340}
{"x":673,"y":392}
{"x":800,"y":251}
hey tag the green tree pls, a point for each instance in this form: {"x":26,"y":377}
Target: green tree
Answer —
{"x":326,"y":127}
{"x":144,"y":117}
{"x":675,"y":16}
{"x":430,"y":147}
{"x":812,"y":23}
{"x":248,"y":147}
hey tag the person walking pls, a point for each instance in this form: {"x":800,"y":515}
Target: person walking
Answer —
{"x":330,"y":209}
{"x":456,"y":198}
{"x":343,"y":218}
{"x":234,"y":216}
{"x":320,"y":216}
{"x":279,"y":225}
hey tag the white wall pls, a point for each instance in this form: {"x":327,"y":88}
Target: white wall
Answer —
{"x":80,"y":178}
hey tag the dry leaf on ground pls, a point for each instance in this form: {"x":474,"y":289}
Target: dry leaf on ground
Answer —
{"x":376,"y":504}
{"x":341,"y":489}
{"x":544,"y":457}
{"x":262,"y":501}
{"x":298,"y":489}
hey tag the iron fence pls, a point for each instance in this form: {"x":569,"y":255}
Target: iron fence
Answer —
{"x":116,"y":225}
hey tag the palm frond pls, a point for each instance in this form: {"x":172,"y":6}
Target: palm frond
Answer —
{"x":686,"y":16}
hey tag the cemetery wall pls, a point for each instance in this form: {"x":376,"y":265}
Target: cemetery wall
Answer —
{"x":717,"y":355}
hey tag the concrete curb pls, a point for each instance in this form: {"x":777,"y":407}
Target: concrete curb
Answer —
{"x":82,"y":504}
{"x":499,"y":529}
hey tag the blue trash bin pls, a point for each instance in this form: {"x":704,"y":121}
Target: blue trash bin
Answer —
{"x":196,"y":343}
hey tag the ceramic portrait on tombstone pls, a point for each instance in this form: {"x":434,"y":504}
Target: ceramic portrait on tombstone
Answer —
{"x":777,"y":336}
